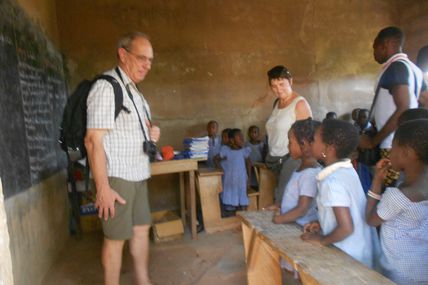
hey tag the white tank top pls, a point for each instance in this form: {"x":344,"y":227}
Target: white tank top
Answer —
{"x":278,"y":125}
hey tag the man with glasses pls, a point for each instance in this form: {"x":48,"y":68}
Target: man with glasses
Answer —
{"x":119,"y":165}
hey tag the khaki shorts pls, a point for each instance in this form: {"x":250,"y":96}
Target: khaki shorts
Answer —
{"x":135,"y":212}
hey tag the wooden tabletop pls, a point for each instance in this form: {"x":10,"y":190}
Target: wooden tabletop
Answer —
{"x":209,"y":171}
{"x":326,"y":265}
{"x":173,"y":166}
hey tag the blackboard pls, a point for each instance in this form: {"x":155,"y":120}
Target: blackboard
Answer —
{"x":32,"y":96}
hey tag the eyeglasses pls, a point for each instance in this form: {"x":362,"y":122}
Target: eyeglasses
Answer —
{"x":140,"y":58}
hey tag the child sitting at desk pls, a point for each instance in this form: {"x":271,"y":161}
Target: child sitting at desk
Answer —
{"x":341,"y":200}
{"x":256,"y":155}
{"x":236,"y":165}
{"x":403,"y":212}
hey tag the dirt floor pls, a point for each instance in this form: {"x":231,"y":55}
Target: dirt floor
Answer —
{"x":212,"y":259}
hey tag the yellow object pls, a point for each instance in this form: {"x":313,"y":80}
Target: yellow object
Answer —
{"x":90,"y":223}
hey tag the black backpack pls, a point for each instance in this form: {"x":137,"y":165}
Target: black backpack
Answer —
{"x":73,"y":125}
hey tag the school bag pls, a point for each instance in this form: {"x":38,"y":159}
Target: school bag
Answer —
{"x":72,"y":136}
{"x":73,"y":125}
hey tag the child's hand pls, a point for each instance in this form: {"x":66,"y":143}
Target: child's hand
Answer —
{"x":312,"y":238}
{"x":382,"y":167}
{"x":312,"y":227}
{"x":276,"y":218}
{"x":273,"y":207}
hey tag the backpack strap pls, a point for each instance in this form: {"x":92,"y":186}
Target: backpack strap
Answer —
{"x":118,"y":94}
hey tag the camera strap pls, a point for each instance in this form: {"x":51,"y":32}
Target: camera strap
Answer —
{"x":135,"y":106}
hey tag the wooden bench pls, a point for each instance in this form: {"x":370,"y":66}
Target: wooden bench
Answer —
{"x":265,"y":243}
{"x":267,"y":183}
{"x":209,"y":187}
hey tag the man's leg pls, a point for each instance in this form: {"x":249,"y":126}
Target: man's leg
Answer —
{"x":139,"y":248}
{"x":111,"y":258}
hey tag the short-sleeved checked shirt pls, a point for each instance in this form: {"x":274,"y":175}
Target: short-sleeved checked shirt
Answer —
{"x":123,"y":143}
{"x":404,"y":238}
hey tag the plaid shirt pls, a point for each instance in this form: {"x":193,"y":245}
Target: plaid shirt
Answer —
{"x":123,"y":143}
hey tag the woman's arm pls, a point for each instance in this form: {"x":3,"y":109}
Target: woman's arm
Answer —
{"x":300,"y":210}
{"x":344,"y":228}
{"x":303,"y":110}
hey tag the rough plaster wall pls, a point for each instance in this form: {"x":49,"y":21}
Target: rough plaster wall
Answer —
{"x":211,"y":57}
{"x":37,"y":219}
{"x":38,"y":226}
{"x":43,"y":13}
{"x":6,"y":273}
{"x":414,"y":20}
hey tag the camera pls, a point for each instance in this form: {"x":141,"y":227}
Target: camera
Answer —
{"x":150,"y":149}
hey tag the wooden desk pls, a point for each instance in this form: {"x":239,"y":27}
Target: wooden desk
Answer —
{"x":265,"y":243}
{"x":267,"y":184}
{"x":209,"y":187}
{"x":183,"y":167}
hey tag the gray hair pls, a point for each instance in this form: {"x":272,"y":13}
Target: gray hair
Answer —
{"x":126,"y":40}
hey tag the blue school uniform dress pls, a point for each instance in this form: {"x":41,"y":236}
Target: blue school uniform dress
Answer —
{"x":255,"y":156}
{"x":404,"y":238}
{"x":339,"y":186}
{"x":301,"y":183}
{"x":234,"y":176}
{"x":213,"y":149}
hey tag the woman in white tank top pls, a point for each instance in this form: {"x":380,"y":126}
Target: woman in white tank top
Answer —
{"x":288,"y":108}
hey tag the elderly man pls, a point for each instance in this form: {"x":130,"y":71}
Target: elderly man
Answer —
{"x":120,"y":167}
{"x":398,"y":89}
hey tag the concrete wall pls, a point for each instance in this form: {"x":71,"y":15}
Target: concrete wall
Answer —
{"x":6,"y":272}
{"x":413,"y":20}
{"x":43,"y":13}
{"x":38,"y":228}
{"x":37,"y":218}
{"x":211,"y":57}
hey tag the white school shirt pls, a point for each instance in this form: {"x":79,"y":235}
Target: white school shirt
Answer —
{"x":123,"y":142}
{"x":301,"y":183}
{"x":339,"y":186}
{"x":278,"y":125}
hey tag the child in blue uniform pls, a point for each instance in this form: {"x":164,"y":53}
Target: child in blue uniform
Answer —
{"x":236,"y":165}
{"x":341,"y":201}
{"x":214,"y":142}
{"x":402,"y":212}
{"x":256,"y":155}
{"x":298,"y":203}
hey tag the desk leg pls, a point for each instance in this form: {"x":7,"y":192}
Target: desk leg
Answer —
{"x":192,"y":204}
{"x":182,"y":199}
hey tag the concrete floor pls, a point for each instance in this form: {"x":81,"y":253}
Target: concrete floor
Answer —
{"x":212,"y":259}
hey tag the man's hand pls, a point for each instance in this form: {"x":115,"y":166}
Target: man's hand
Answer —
{"x":154,"y":132}
{"x":105,"y":202}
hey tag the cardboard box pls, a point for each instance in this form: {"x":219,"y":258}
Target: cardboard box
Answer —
{"x":167,"y":226}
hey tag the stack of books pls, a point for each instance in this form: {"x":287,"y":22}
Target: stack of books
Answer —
{"x":196,"y":147}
